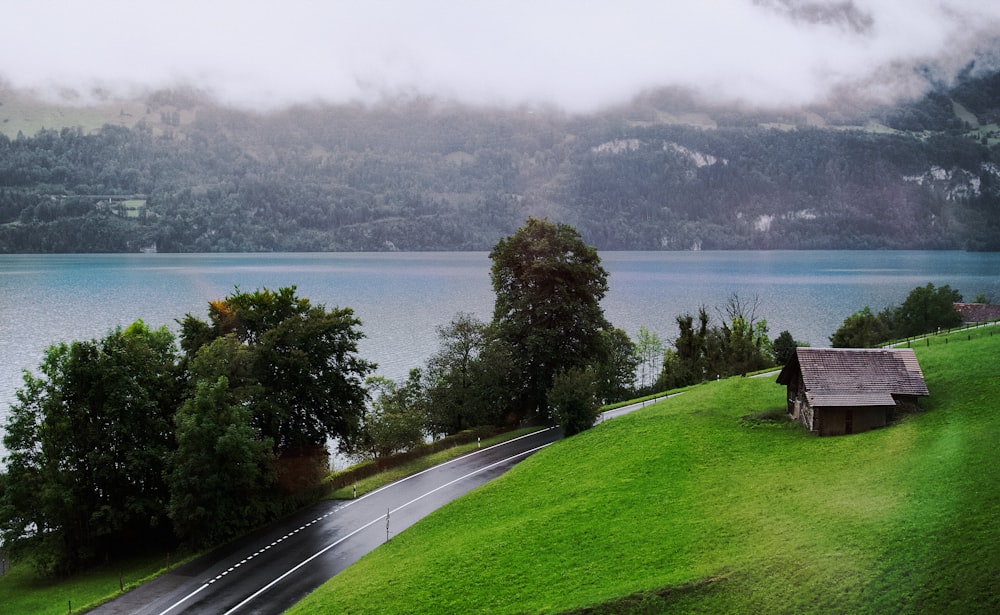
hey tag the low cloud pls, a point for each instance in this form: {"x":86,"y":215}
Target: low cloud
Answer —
{"x":577,"y":55}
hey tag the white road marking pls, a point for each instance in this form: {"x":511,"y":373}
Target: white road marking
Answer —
{"x":371,"y":523}
{"x":320,"y":518}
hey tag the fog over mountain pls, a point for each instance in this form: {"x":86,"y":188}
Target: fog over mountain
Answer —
{"x":577,"y":56}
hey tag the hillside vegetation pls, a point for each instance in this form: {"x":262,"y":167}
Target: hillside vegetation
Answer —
{"x":177,"y":172}
{"x":710,"y":502}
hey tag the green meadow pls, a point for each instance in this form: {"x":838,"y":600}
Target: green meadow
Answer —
{"x":711,"y":502}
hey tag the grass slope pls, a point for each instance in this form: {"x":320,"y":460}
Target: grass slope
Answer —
{"x":689,"y":507}
{"x":22,"y":590}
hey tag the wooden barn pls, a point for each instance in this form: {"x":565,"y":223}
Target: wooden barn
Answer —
{"x":978,"y":312}
{"x":835,"y":391}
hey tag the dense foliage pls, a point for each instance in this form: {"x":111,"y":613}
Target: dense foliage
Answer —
{"x":548,"y":285}
{"x":925,"y":310}
{"x":702,"y":351}
{"x":123,"y":443}
{"x":466,"y":378}
{"x":301,"y":376}
{"x":88,"y":441}
{"x":415,"y":175}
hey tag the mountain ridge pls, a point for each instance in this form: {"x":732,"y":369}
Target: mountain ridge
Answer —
{"x":667,"y":171}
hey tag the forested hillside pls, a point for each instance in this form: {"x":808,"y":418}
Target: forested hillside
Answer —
{"x":178,"y":173}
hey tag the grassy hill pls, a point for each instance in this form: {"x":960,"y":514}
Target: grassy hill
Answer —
{"x":709,"y":502}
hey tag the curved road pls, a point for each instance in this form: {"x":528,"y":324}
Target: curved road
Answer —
{"x":272,"y":569}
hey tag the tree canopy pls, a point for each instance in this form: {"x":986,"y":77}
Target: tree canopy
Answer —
{"x":924,"y":310}
{"x":123,"y":442}
{"x":189,"y":176}
{"x":88,"y":443}
{"x":548,"y":286}
{"x":703,"y":352}
{"x":302,"y":358}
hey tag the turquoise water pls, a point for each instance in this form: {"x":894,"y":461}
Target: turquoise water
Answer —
{"x":401,"y":298}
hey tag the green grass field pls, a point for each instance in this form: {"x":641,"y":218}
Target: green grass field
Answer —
{"x":689,"y":506}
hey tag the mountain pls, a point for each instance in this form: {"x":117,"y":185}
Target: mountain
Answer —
{"x":176,"y":172}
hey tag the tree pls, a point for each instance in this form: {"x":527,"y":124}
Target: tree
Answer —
{"x":702,"y":351}
{"x":222,"y":475}
{"x":548,"y":286}
{"x":573,"y":399}
{"x":862,"y":329}
{"x":784,"y":347}
{"x":650,"y":350}
{"x":303,"y":363}
{"x":454,"y":377}
{"x":394,"y":422}
{"x":615,"y":372}
{"x":745,"y":345}
{"x":87,"y":446}
{"x":927,"y":309}
{"x":695,"y":350}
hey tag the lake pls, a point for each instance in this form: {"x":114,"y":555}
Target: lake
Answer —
{"x":401,"y":298}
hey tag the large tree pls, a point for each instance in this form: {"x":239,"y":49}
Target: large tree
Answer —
{"x":468,"y":379}
{"x":87,"y":443}
{"x":549,"y":285}
{"x":452,"y":376}
{"x":306,"y":377}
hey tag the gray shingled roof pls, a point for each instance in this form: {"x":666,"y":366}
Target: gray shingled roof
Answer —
{"x":856,"y":376}
{"x":978,"y":312}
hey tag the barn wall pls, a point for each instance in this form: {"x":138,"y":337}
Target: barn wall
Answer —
{"x":870,"y":418}
{"x":833,"y":420}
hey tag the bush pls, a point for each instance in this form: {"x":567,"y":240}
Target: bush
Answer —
{"x":573,"y":400}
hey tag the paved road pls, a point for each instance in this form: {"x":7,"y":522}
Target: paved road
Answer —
{"x":273,"y":569}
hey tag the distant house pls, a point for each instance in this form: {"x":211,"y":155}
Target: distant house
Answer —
{"x":978,"y":312}
{"x":834,"y":391}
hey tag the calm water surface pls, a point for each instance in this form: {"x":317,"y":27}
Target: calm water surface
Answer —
{"x":401,"y":298}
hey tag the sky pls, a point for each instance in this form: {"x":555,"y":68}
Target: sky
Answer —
{"x":577,"y":55}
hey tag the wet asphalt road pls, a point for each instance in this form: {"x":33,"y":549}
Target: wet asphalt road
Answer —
{"x":271,"y":570}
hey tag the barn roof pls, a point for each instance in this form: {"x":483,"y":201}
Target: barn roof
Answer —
{"x":855,"y":376}
{"x":978,"y":312}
